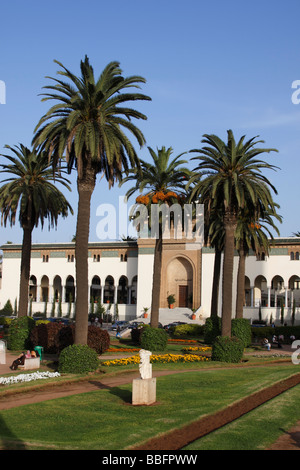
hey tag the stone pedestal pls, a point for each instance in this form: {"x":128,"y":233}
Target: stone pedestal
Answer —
{"x":143,"y":391}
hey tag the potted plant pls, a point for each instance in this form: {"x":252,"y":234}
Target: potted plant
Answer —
{"x":193,"y":314}
{"x":145,"y":314}
{"x":171,"y":300}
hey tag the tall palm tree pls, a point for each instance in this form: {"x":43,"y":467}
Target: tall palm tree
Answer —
{"x":89,"y":124}
{"x":233,"y":178}
{"x":31,"y":190}
{"x":164,"y":181}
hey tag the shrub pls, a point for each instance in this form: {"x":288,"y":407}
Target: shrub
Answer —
{"x":188,"y":330}
{"x":78,"y":359}
{"x":241,"y":328}
{"x":47,"y":335}
{"x":212,"y":329}
{"x":98,"y":339}
{"x":54,"y":337}
{"x":154,"y":339}
{"x":19,"y":333}
{"x":225,"y":349}
{"x":7,"y":309}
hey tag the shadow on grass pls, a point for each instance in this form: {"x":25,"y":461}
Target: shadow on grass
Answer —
{"x":8,"y":440}
{"x":124,"y":395}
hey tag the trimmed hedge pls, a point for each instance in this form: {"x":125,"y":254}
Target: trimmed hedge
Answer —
{"x":241,"y":328}
{"x":225,"y":349}
{"x":54,"y":337}
{"x":78,"y":359}
{"x":188,"y":330}
{"x":212,"y":329}
{"x":154,"y":339}
{"x":19,"y":333}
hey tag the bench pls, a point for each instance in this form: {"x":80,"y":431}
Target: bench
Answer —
{"x":31,"y":363}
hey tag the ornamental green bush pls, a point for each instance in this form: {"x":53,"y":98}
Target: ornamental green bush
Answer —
{"x":154,"y":339}
{"x":241,"y":328}
{"x":212,"y":329}
{"x":187,"y":330}
{"x":78,"y":359}
{"x":226,"y":349}
{"x":19,"y":333}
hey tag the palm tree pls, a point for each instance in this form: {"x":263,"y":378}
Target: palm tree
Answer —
{"x":89,"y":124}
{"x":233,"y":179}
{"x":164,"y":182}
{"x":31,"y":190}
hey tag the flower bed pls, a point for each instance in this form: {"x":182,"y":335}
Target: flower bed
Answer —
{"x":13,"y":379}
{"x":122,"y":350}
{"x":197,"y":349}
{"x":157,"y":358}
{"x":182,"y":341}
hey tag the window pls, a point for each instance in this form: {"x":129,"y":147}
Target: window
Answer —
{"x":292,"y":256}
{"x":96,"y":258}
{"x":45,"y":258}
{"x":70,"y":258}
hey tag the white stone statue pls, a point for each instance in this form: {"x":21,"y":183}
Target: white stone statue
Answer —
{"x":145,"y":367}
{"x":2,"y":352}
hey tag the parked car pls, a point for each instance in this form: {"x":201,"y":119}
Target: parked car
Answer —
{"x":136,"y":324}
{"x":121,"y":324}
{"x":173,"y":324}
{"x":65,"y":321}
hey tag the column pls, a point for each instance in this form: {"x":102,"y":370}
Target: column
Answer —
{"x":116,"y":295}
{"x":269,"y":296}
{"x":102,"y":294}
{"x":252,"y":296}
{"x":286,"y":296}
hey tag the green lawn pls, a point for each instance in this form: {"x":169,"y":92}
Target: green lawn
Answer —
{"x":106,"y":420}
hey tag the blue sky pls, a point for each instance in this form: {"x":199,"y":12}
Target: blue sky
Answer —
{"x":209,"y":66}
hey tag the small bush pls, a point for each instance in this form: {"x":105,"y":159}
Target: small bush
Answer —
{"x":54,"y":337}
{"x":241,"y":328}
{"x":19,"y":333}
{"x":188,"y":330}
{"x":78,"y":359}
{"x":225,"y":349}
{"x":98,"y":339}
{"x":154,"y":339}
{"x":7,"y":309}
{"x":212,"y":329}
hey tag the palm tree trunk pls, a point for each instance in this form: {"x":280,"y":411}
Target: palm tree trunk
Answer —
{"x":216,"y":282}
{"x":240,"y":295}
{"x":156,"y":282}
{"x":25,"y":272}
{"x":229,"y":246}
{"x":85,"y":185}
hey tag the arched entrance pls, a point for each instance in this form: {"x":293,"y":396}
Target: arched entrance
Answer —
{"x":180,"y":281}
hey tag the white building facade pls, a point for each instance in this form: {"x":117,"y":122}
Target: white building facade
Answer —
{"x":120,"y":274}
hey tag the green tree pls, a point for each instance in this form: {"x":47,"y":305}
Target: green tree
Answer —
{"x":30,"y":190}
{"x":89,"y":124}
{"x":232,"y":178}
{"x":164,"y":181}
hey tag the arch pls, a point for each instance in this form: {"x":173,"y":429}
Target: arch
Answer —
{"x":70,"y":289}
{"x":122,"y":296}
{"x":179,"y":274}
{"x":95,"y":290}
{"x":134,"y":283}
{"x":32,"y":288}
{"x":247,"y":301}
{"x":109,"y":290}
{"x":260,"y":291}
{"x":45,"y":289}
{"x":57,"y":287}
